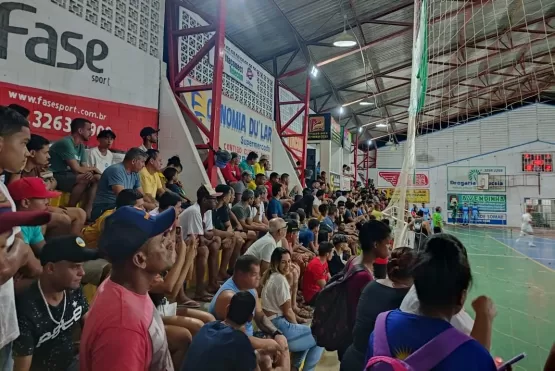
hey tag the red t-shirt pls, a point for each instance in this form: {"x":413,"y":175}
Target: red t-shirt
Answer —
{"x":124,"y":332}
{"x":315,"y":271}
{"x":269,"y":187}
{"x":231,"y":173}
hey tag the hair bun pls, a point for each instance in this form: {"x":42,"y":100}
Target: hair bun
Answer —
{"x":445,"y":246}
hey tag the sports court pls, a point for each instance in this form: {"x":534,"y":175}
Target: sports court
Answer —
{"x":520,"y":281}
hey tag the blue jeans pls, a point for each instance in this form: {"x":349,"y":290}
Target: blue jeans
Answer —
{"x":6,"y":360}
{"x":301,"y":344}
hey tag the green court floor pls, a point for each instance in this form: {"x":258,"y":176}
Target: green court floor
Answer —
{"x":521,"y":282}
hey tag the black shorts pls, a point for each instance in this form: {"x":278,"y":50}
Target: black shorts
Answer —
{"x":437,"y":230}
{"x":66,"y":180}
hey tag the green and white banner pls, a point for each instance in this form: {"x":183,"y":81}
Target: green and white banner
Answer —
{"x":476,"y":179}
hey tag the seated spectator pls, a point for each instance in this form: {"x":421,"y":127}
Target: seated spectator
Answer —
{"x":379,"y":296}
{"x":242,"y":211}
{"x":256,"y":209}
{"x":97,"y":270}
{"x":150,"y":181}
{"x":231,"y":172}
{"x":30,"y":194}
{"x":318,"y":199}
{"x":322,"y":211}
{"x":49,"y":310}
{"x":317,"y":273}
{"x":20,"y":109}
{"x":275,"y":208}
{"x":150,"y":138}
{"x":172,"y":183}
{"x":68,"y":163}
{"x":274,"y":178}
{"x":101,"y":157}
{"x":225,"y":338}
{"x":304,"y":203}
{"x":262,"y":248}
{"x":308,"y":236}
{"x":124,"y":175}
{"x":221,"y":222}
{"x":246,"y":277}
{"x":261,"y":166}
{"x":248,"y":164}
{"x":242,"y":185}
{"x":64,"y":220}
{"x":277,"y":305}
{"x":341,"y":255}
{"x":196,"y":223}
{"x":260,"y":197}
{"x":167,"y":200}
{"x":122,"y":316}
{"x":442,"y":277}
{"x":330,"y":219}
{"x":374,"y":243}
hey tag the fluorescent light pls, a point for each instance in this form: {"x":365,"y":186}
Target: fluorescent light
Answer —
{"x":341,"y":110}
{"x":366,"y":103}
{"x":314,"y":71}
{"x":344,"y":40}
{"x":381,"y":125}
{"x":360,"y":130}
{"x":369,"y":141}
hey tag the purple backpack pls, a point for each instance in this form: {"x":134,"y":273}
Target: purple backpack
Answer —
{"x":425,"y":358}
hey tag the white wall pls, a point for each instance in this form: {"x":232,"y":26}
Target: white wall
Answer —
{"x":175,"y":139}
{"x":497,"y":140}
{"x":282,"y":161}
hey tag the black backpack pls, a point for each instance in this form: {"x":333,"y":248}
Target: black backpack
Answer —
{"x":332,"y":322}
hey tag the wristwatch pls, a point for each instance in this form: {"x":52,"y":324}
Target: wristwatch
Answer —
{"x":276,"y":333}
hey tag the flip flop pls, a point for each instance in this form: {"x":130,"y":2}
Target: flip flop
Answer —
{"x":204,"y":298}
{"x":190,"y":304}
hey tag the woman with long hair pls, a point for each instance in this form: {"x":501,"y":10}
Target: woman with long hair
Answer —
{"x":379,"y":296}
{"x":276,"y":303}
{"x":442,"y":278}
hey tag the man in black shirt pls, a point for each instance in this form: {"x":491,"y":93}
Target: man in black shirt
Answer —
{"x":48,"y":310}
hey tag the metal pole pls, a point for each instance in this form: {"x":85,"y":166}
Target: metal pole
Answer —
{"x":217,"y":83}
{"x":356,"y":157}
{"x":305,"y":129}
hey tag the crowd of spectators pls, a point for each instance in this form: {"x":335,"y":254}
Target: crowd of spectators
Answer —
{"x":260,"y":253}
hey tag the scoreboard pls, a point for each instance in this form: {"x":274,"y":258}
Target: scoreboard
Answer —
{"x":537,"y":162}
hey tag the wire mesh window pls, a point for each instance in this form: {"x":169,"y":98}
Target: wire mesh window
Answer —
{"x":260,"y":100}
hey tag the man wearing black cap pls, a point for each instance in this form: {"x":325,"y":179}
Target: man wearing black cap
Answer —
{"x":48,"y":310}
{"x":123,"y":330}
{"x":150,"y":138}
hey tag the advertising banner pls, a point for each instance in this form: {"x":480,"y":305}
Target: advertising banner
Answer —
{"x":61,"y":68}
{"x":414,"y":196}
{"x":336,"y":133}
{"x":319,"y":127}
{"x":390,"y":178}
{"x":335,"y":182}
{"x":241,"y":130}
{"x":486,"y":203}
{"x":483,"y":218}
{"x":237,"y":66}
{"x":476,"y":178}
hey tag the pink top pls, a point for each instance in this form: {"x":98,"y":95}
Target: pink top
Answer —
{"x":123,"y":332}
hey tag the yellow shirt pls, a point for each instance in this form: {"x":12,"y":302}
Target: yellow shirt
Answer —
{"x":150,"y":183}
{"x":259,"y":169}
{"x":91,"y":233}
{"x":377,"y":214}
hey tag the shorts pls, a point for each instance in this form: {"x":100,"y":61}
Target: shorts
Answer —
{"x":94,"y":271}
{"x":527,"y":229}
{"x":66,"y":180}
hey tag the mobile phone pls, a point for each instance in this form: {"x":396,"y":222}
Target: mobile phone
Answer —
{"x":511,"y":362}
{"x":178,"y":235}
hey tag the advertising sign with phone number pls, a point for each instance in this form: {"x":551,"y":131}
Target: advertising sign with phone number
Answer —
{"x":51,"y":114}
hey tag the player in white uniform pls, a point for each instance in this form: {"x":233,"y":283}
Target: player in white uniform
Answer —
{"x":526,"y":228}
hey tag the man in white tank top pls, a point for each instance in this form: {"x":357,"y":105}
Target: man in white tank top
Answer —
{"x":526,"y":227}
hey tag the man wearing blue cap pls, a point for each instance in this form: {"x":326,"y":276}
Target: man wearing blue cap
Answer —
{"x":123,"y":330}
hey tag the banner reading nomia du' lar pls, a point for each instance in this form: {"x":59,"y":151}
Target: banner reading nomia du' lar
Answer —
{"x":61,"y":67}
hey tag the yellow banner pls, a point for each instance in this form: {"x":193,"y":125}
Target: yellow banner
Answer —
{"x":416,"y":196}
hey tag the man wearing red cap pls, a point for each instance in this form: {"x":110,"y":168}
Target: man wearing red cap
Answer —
{"x":31,"y":194}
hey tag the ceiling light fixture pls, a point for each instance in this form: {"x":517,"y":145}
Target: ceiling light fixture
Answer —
{"x":314,"y":71}
{"x":360,"y":130}
{"x":344,"y":39}
{"x":381,"y":125}
{"x":341,"y":110}
{"x":365,"y":103}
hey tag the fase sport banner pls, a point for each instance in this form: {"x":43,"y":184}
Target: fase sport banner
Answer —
{"x":60,"y":68}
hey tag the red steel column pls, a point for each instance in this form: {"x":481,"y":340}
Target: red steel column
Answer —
{"x":305,"y":129}
{"x":356,"y":157}
{"x":217,"y":83}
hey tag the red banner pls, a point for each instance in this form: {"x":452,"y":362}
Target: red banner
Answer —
{"x":52,"y":112}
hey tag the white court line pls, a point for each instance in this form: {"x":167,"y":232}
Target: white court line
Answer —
{"x":518,"y":252}
{"x":508,"y":256}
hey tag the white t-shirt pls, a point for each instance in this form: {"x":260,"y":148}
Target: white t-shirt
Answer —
{"x":154,"y":212}
{"x":9,"y":330}
{"x":100,"y":161}
{"x":260,"y":211}
{"x":262,"y":248}
{"x":316,"y":202}
{"x":275,"y":293}
{"x":461,"y":321}
{"x":526,"y":220}
{"x":192,"y":222}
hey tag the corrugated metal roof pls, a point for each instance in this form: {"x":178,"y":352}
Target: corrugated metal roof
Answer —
{"x":479,"y":50}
